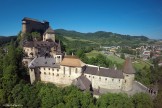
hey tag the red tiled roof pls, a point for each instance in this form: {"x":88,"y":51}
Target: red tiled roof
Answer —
{"x":72,"y":61}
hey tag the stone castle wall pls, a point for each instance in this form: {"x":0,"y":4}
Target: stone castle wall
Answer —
{"x":104,"y":82}
{"x":63,"y":75}
{"x":128,"y":82}
{"x":49,"y":36}
{"x":29,"y":26}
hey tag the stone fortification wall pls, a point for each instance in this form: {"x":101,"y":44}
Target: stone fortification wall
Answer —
{"x":29,"y":25}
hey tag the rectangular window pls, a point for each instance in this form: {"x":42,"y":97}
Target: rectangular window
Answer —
{"x":76,"y":70}
{"x":45,"y":73}
{"x":48,"y":68}
{"x":64,"y":70}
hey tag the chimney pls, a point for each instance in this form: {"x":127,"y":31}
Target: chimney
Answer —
{"x":98,"y":68}
{"x":115,"y":67}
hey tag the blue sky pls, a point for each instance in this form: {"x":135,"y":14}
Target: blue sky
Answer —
{"x":133,"y":17}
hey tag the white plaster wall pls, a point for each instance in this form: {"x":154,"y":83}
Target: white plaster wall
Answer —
{"x":128,"y":81}
{"x":32,"y":75}
{"x":29,"y":50}
{"x":50,"y":36}
{"x":104,"y":82}
{"x":58,"y":58}
{"x":57,"y":76}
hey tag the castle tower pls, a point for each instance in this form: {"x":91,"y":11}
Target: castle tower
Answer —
{"x":128,"y":72}
{"x":58,"y":55}
{"x":49,"y":35}
{"x":30,"y":25}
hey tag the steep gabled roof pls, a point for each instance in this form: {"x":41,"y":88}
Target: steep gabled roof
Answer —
{"x":105,"y":72}
{"x":82,"y":83}
{"x":128,"y":67}
{"x":50,"y":30}
{"x":43,"y":62}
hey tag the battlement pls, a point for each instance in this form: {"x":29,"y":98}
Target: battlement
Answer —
{"x":30,"y":25}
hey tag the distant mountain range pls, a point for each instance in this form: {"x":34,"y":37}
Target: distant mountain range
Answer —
{"x":103,"y":38}
{"x":99,"y":37}
{"x":5,"y":39}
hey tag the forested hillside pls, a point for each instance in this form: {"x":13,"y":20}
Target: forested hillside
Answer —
{"x":103,"y":38}
{"x":5,"y":39}
{"x":15,"y":88}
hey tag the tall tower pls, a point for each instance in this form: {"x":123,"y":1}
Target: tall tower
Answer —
{"x":58,"y":55}
{"x":128,"y":72}
{"x":49,"y":35}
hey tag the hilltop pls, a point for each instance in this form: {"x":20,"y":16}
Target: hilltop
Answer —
{"x":102,"y":37}
{"x":5,"y":39}
{"x":96,"y":38}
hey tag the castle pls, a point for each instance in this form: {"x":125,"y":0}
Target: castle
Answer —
{"x":47,"y":63}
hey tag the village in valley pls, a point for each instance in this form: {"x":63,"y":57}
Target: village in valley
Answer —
{"x":81,"y":54}
{"x":46,"y":62}
{"x":52,"y":59}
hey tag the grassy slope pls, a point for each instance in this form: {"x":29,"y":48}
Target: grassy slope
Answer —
{"x":137,"y":65}
{"x":140,"y":65}
{"x":93,"y":53}
{"x":79,"y":39}
{"x":115,"y":59}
